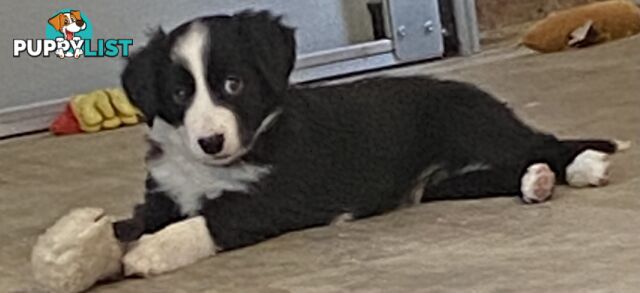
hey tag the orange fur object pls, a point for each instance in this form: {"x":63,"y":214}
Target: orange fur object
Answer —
{"x":584,"y":25}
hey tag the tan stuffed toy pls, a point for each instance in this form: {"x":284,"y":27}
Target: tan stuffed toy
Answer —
{"x":584,"y":25}
{"x":81,"y":249}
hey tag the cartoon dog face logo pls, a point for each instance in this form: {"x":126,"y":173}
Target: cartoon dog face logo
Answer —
{"x":68,"y":23}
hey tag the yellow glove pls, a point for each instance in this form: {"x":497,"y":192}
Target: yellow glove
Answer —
{"x":104,"y":109}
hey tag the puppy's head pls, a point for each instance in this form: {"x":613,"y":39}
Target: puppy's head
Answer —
{"x":68,"y":23}
{"x":217,"y":80}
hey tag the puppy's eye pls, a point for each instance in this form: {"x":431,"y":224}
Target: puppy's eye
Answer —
{"x":233,"y":85}
{"x":180,"y":95}
{"x":66,"y":21}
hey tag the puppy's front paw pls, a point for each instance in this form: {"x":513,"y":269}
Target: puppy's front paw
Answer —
{"x":60,"y":53}
{"x":171,"y":248}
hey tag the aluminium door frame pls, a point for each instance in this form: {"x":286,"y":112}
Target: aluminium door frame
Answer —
{"x":383,"y":53}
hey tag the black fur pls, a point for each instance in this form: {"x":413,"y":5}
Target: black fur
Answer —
{"x":140,"y":76}
{"x":356,"y":148}
{"x":157,"y":212}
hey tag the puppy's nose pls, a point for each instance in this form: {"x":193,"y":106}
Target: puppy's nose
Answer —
{"x":212,"y":144}
{"x":80,"y":22}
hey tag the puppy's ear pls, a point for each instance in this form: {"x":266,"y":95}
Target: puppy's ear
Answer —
{"x":57,"y":21}
{"x":140,"y":76}
{"x":273,"y":45}
{"x":76,"y":14}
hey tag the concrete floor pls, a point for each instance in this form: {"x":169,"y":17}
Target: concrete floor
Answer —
{"x":583,"y":241}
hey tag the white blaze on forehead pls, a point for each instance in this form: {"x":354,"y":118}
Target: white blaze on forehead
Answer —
{"x":204,"y":118}
{"x":190,"y":50}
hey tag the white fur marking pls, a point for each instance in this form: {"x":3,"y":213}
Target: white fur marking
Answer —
{"x":474,"y":168}
{"x":176,"y":246}
{"x":430,"y":175}
{"x":341,"y":219}
{"x":589,"y":168}
{"x":204,"y":118}
{"x":186,"y":179}
{"x":537,"y":184}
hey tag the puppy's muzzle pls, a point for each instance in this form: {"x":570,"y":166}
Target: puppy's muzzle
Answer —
{"x":212,"y":145}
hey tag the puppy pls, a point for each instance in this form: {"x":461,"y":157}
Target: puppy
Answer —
{"x":68,"y":24}
{"x":233,"y":144}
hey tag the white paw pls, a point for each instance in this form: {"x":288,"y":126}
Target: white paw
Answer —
{"x":171,"y":248}
{"x":60,"y":53}
{"x":537,"y":184}
{"x":589,"y":168}
{"x":78,"y":53}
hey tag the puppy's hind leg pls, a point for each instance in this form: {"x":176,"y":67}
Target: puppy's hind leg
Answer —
{"x":579,"y":163}
{"x":533,"y":185}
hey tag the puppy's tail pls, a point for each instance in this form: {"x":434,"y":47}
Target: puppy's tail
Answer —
{"x":605,"y":146}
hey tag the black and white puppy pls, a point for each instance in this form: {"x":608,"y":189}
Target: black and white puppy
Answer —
{"x":235,"y":146}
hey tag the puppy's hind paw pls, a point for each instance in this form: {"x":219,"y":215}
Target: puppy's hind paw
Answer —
{"x":537,"y":184}
{"x":589,"y":168}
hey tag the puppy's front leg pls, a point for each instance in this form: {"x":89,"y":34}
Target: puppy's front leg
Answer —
{"x":157,"y":211}
{"x":232,"y":220}
{"x":176,"y":246}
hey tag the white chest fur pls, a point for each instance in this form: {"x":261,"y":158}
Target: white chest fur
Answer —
{"x":186,"y":179}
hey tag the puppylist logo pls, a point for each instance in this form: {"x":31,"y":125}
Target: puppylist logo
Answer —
{"x":69,"y":34}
